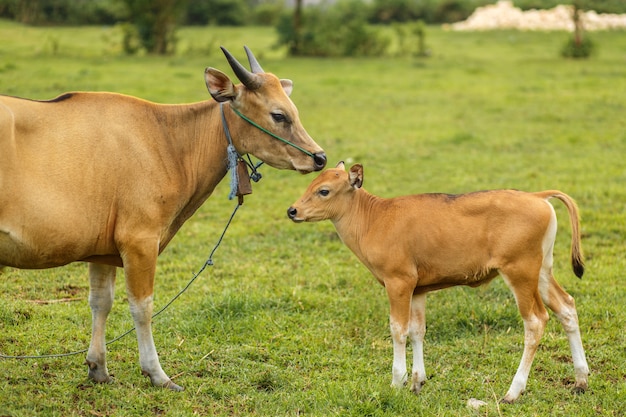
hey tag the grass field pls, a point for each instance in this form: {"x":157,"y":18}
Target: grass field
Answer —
{"x":287,"y":322}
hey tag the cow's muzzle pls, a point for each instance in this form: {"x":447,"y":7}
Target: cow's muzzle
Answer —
{"x":319,"y":160}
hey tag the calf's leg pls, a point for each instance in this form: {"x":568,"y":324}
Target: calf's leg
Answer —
{"x":563,"y":306}
{"x":101,"y":292}
{"x":400,"y":310}
{"x":417,"y":330}
{"x":139,"y":268}
{"x":535,"y":317}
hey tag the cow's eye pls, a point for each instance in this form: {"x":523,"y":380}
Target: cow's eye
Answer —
{"x":324,"y":192}
{"x":279,"y":117}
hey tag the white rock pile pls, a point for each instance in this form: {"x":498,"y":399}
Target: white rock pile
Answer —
{"x":503,"y":15}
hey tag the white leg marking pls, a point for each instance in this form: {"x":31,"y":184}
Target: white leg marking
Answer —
{"x":569,"y":320}
{"x":563,"y":306}
{"x":417,"y":330}
{"x":101,"y":293}
{"x":148,"y":358}
{"x":534,"y":327}
{"x":398,"y":372}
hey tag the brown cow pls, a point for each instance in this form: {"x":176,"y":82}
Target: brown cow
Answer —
{"x":426,"y":242}
{"x":109,"y":179}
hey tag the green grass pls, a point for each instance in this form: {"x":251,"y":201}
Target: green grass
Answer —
{"x":288,"y":322}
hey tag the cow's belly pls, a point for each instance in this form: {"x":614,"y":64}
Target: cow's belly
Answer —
{"x":16,"y":255}
{"x":35,"y":254}
{"x":113,"y":260}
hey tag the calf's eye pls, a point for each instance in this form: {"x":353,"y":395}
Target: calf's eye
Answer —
{"x":324,"y":192}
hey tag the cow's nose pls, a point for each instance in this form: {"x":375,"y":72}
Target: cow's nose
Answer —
{"x":291,"y":212}
{"x":319,"y":159}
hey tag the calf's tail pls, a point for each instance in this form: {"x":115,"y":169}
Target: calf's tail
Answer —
{"x":578,"y":264}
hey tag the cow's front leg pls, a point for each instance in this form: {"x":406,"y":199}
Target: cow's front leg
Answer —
{"x":139,"y":267}
{"x":400,"y":309}
{"x":101,"y":293}
{"x":417,"y":330}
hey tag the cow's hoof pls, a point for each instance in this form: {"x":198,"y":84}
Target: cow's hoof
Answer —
{"x":167,"y":384}
{"x":172,"y":386}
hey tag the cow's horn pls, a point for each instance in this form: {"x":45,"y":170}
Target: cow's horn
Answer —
{"x":254,"y":64}
{"x":250,"y":80}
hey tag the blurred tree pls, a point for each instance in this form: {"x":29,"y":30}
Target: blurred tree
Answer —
{"x":295,"y":48}
{"x":217,"y":12}
{"x":578,"y":46}
{"x":155,"y":22}
{"x":67,"y":12}
{"x":338,"y":29}
{"x":268,"y":12}
{"x":246,"y":12}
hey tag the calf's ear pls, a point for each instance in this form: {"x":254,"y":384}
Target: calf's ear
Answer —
{"x":340,"y":165}
{"x":356,"y":176}
{"x":219,"y":85}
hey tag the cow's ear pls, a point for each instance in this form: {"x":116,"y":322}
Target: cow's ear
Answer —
{"x":356,"y":176}
{"x":287,"y":86}
{"x":219,"y":85}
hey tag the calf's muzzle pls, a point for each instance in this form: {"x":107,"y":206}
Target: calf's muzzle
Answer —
{"x":291,"y":212}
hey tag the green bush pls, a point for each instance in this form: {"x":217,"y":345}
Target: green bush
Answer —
{"x":578,"y":48}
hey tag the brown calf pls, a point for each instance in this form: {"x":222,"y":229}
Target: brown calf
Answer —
{"x":426,"y":242}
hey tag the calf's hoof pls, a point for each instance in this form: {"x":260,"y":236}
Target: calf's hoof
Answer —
{"x":416,"y":386}
{"x":98,"y":373}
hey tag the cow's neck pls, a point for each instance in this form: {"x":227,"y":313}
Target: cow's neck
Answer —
{"x":197,"y":133}
{"x":204,"y":145}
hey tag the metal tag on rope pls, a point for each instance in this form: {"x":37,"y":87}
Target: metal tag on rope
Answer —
{"x":243,"y":184}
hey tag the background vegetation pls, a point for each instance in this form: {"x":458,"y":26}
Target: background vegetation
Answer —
{"x":265,"y":12}
{"x":287,"y":322}
{"x":327,"y":28}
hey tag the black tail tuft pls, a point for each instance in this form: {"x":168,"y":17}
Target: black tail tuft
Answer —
{"x":578,"y":267}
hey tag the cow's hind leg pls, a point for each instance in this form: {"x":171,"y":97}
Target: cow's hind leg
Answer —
{"x":524,"y":284}
{"x":101,"y":292}
{"x":139,"y":268}
{"x":563,"y":306}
